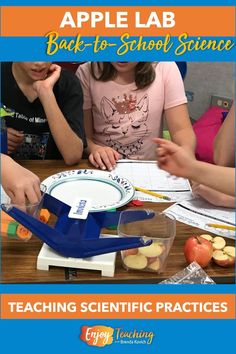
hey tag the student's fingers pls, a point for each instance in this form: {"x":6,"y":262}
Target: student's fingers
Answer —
{"x":162,"y":160}
{"x":197,"y":188}
{"x":10,"y":149}
{"x":108,"y":158}
{"x":55,"y":67}
{"x":163,"y":142}
{"x":96,"y":160}
{"x":54,"y":72}
{"x":15,"y":137}
{"x":160,"y":152}
{"x":12,"y":146}
{"x":18,"y":197}
{"x":168,"y":145}
{"x":33,"y":187}
{"x":194,"y":185}
{"x":31,"y":195}
{"x":99,"y":161}
{"x":37,"y":191}
{"x":117,"y":156}
{"x":103,"y":160}
{"x":92,"y":161}
{"x":9,"y":193}
{"x":161,"y":164}
{"x":15,"y":132}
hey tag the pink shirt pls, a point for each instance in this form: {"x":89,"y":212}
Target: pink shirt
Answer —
{"x":127,"y":119}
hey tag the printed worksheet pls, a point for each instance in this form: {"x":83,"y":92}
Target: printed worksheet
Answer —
{"x":147,"y":175}
{"x":199,"y":213}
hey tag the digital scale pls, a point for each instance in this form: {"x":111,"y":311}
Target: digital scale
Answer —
{"x":105,"y":262}
{"x":78,"y":243}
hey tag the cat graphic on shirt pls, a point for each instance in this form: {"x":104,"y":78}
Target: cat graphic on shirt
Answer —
{"x":126,"y":123}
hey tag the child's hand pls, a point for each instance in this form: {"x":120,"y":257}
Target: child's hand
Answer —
{"x":104,"y":157}
{"x":173,"y":159}
{"x":19,"y":183}
{"x":43,"y":86}
{"x":14,"y":139}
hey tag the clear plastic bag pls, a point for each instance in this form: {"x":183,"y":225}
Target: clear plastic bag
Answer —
{"x":192,"y":274}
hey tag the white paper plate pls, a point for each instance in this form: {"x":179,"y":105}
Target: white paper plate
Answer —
{"x":106,"y":190}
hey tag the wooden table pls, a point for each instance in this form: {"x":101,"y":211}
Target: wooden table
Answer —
{"x":19,"y":258}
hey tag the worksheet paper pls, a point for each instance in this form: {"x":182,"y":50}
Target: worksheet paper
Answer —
{"x":198,"y":213}
{"x":147,"y":175}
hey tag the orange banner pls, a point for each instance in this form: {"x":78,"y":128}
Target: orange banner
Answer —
{"x":118,"y":306}
{"x":116,"y":20}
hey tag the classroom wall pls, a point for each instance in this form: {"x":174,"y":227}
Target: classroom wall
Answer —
{"x":206,"y":79}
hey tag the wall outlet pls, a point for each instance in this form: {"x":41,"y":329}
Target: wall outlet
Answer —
{"x":190,"y":96}
{"x":222,"y":102}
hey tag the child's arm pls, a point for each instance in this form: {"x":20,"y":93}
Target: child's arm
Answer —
{"x":68,"y":143}
{"x":180,"y":127}
{"x":102,"y":157}
{"x":212,"y":196}
{"x":217,"y":177}
{"x":175,"y":160}
{"x":224,"y":141}
{"x":19,"y":183}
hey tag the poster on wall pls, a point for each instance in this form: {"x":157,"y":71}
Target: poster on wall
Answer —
{"x":117,"y":176}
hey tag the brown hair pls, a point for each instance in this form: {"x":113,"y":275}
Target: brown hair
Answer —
{"x":144,"y":73}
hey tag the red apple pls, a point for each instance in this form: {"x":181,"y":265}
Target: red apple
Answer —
{"x":198,"y":249}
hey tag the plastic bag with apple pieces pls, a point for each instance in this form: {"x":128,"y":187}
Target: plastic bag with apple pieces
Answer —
{"x":193,"y":274}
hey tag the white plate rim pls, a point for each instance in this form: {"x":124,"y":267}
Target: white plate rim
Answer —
{"x":119,"y":182}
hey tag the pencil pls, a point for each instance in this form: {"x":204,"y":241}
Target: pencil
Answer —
{"x":154,"y":194}
{"x":220,"y":226}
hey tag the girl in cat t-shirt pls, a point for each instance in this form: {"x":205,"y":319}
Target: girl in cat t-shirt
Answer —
{"x":123,"y":107}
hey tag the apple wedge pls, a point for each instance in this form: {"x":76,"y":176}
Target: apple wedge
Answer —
{"x":207,"y":237}
{"x":155,"y":266}
{"x":154,"y":250}
{"x":218,"y":242}
{"x":137,"y":261}
{"x":131,"y":251}
{"x":225,"y":257}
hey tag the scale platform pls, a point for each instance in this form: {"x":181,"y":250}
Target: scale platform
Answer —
{"x":105,"y":262}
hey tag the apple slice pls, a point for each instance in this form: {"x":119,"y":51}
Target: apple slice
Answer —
{"x":218,"y":242}
{"x":129,"y":252}
{"x":151,"y":259}
{"x":207,"y":237}
{"x":137,"y":261}
{"x":230,"y":250}
{"x":154,"y":250}
{"x":225,"y":257}
{"x":155,"y":266}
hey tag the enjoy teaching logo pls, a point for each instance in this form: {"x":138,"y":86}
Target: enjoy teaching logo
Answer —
{"x":97,"y":336}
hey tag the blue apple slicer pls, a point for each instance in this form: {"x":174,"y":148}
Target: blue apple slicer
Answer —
{"x":76,"y":237}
